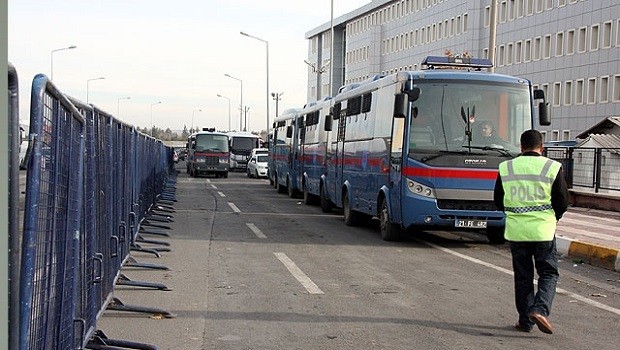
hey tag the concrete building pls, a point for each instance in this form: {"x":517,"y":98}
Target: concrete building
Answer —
{"x":569,"y":48}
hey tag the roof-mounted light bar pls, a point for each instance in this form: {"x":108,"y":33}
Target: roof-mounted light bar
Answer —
{"x":462,"y":62}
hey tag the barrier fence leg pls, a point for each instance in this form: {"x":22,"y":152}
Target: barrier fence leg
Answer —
{"x":117,"y":305}
{"x":131,"y":262}
{"x":126,"y":281}
{"x":101,"y":342}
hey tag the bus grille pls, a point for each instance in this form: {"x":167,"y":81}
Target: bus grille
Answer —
{"x":449,"y":204}
{"x":212,"y":160}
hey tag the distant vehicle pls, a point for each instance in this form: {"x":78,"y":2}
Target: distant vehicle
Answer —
{"x":241,"y":145}
{"x":257,"y":151}
{"x":182,"y":152}
{"x":208,"y":152}
{"x":257,"y":166}
{"x":175,"y":156}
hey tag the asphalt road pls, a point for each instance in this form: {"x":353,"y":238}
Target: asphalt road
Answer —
{"x":254,"y":269}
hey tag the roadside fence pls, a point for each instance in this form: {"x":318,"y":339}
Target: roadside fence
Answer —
{"x":586,"y":167}
{"x":92,"y":182}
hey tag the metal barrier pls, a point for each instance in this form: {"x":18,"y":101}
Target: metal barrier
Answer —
{"x":50,"y":250}
{"x":14,"y":241}
{"x":595,"y":168}
{"x":92,"y":182}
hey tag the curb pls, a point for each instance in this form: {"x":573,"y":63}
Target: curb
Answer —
{"x":592,"y":254}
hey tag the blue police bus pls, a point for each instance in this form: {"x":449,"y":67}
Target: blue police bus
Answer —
{"x":410,"y":148}
{"x":284,"y":152}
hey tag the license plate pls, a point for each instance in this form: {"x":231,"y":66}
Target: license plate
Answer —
{"x":200,"y":160}
{"x":470,"y":223}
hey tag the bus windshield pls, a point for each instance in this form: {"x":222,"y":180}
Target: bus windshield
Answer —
{"x":240,"y":143}
{"x":213,"y":143}
{"x":455,"y":116}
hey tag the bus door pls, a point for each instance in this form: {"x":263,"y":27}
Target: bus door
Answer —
{"x":302,"y":151}
{"x":340,"y":158}
{"x":395,"y":182}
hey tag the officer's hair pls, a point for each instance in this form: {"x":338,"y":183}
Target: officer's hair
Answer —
{"x":531,"y":139}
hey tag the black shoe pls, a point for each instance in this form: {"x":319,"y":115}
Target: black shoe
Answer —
{"x":521,"y":328}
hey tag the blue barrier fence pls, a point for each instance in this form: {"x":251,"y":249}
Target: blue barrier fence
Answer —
{"x":14,"y":241}
{"x":91,"y":182}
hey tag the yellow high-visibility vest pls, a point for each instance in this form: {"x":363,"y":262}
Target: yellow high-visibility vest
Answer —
{"x":527,"y":182}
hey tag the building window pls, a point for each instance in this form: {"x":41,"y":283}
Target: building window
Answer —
{"x":547,"y":46}
{"x":568,"y":93}
{"x":565,"y":135}
{"x":528,"y":50}
{"x":581,"y":39}
{"x":570,"y":42}
{"x":606,"y":40}
{"x":555,"y":135}
{"x":616,"y":88}
{"x":530,"y":7}
{"x":561,"y":3}
{"x":502,"y":12}
{"x":559,"y":44}
{"x":511,"y":10}
{"x":485,"y":53}
{"x":487,"y":16}
{"x":557,"y":94}
{"x":604,"y":92}
{"x":537,"y":47}
{"x":545,"y":89}
{"x":465,"y":16}
{"x":549,"y":4}
{"x":594,"y":37}
{"x":458,"y":25}
{"x":500,"y":56}
{"x":509,"y":54}
{"x":518,"y":53}
{"x":591,"y":90}
{"x":618,"y":32}
{"x":539,"y":6}
{"x":579,"y":92}
{"x":544,"y":135}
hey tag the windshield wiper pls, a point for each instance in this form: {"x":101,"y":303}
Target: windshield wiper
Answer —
{"x":501,"y":150}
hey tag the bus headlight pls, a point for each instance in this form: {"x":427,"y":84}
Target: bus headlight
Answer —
{"x":223,"y":160}
{"x":420,"y":190}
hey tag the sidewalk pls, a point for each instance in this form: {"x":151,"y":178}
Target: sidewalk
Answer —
{"x":590,"y":236}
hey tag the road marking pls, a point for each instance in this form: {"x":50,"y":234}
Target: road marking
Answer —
{"x":506,"y":271}
{"x":213,"y":186}
{"x":234,"y":207}
{"x":208,"y":180}
{"x":590,"y":218}
{"x":256,"y":230}
{"x":221,"y":194}
{"x":289,"y":214}
{"x":305,"y":281}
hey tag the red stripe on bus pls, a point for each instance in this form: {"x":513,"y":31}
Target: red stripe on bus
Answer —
{"x":451,"y":173}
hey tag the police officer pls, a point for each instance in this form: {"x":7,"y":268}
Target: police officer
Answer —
{"x":531,"y":190}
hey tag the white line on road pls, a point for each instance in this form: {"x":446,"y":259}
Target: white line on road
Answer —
{"x":569,"y":230}
{"x":221,"y":194}
{"x":208,"y":180}
{"x":213,"y":186}
{"x":234,"y":207}
{"x":506,"y":271}
{"x":305,"y":281}
{"x":256,"y":230}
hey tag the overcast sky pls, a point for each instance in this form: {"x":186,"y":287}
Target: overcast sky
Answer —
{"x":176,"y":52}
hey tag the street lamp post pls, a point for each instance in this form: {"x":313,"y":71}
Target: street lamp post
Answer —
{"x":240,"y":109}
{"x":118,"y":105}
{"x":276,"y":96}
{"x":87,"y":85}
{"x":52,"y":59}
{"x":229,"y":127}
{"x":267,"y":64}
{"x":195,"y":110}
{"x":153,"y":126}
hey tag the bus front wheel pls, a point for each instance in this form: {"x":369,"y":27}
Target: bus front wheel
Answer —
{"x":389,"y":230}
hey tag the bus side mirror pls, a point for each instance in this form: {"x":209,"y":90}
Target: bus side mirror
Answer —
{"x":543,"y":114}
{"x":289,"y":131}
{"x":401,"y":103}
{"x":328,"y":123}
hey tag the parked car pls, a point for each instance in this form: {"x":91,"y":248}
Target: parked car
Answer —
{"x":257,"y":166}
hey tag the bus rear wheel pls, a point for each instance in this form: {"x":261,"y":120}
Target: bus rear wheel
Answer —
{"x":351,"y":217}
{"x":389,"y":230}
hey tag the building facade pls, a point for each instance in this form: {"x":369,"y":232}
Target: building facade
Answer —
{"x":568,"y":48}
